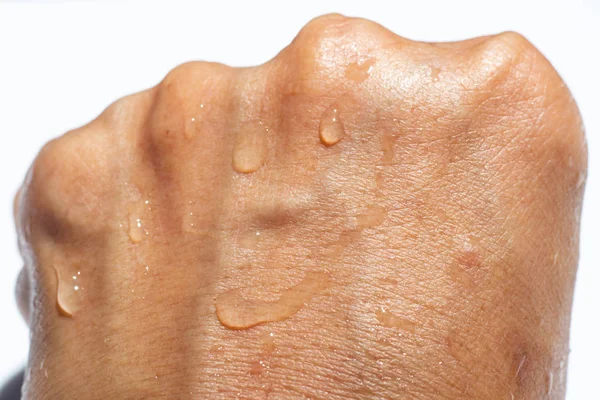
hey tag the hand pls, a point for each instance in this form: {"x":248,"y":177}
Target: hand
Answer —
{"x":363,"y":216}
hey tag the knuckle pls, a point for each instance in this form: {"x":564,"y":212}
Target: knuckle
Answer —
{"x":506,"y":62}
{"x":517,"y":80}
{"x":520,"y":103}
{"x":193,"y":79}
{"x":327,"y":46}
{"x":513,"y":43}
{"x":50,"y":162}
{"x":321,"y":28}
{"x":126,"y":112}
{"x":336,"y":27}
{"x":181,"y":74}
{"x":180,"y":102}
{"x":511,"y":48}
{"x":45,"y":187}
{"x":67,"y":177}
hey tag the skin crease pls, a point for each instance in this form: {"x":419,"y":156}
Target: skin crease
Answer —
{"x":452,"y":201}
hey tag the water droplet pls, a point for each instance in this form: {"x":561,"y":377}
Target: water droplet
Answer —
{"x":250,"y":149}
{"x":580,"y":180}
{"x":136,"y":229}
{"x":197,"y":221}
{"x":190,"y":222}
{"x":520,"y":366}
{"x":550,"y":383}
{"x":334,"y":250}
{"x":388,"y":140}
{"x":359,"y":72}
{"x":136,"y":233}
{"x":331,"y":129}
{"x":434,"y":72}
{"x":250,"y":239}
{"x":258,"y":367}
{"x":235,"y":312}
{"x":337,"y":248}
{"x":379,"y":180}
{"x":372,"y":217}
{"x":216,"y":349}
{"x":68,"y":296}
{"x":390,"y":320}
{"x":268,"y":342}
{"x":190,"y":128}
{"x":562,"y":372}
{"x":461,"y":275}
{"x":42,"y":368}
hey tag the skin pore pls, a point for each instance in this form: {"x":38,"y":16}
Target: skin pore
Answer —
{"x":361,"y":217}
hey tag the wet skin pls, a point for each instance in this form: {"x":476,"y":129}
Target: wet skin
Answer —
{"x":362,"y":217}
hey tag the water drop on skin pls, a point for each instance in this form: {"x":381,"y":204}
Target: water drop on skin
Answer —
{"x":191,"y":222}
{"x":68,"y":293}
{"x":359,"y":72}
{"x":580,"y":180}
{"x":372,"y":217}
{"x":190,"y":128}
{"x":250,"y":149}
{"x":215,"y":349}
{"x":388,"y":140}
{"x":136,"y":232}
{"x":191,"y":125}
{"x":250,"y":239}
{"x":235,"y":312}
{"x":434,"y":72}
{"x":268,"y":342}
{"x":331,"y":129}
{"x":390,"y":320}
{"x":379,"y":181}
{"x":136,"y":219}
{"x":337,"y":248}
{"x":259,"y":367}
{"x":42,"y":368}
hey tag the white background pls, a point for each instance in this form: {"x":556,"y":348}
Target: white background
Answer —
{"x":63,"y":63}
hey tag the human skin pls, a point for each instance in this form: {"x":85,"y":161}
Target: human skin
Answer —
{"x":445,"y":221}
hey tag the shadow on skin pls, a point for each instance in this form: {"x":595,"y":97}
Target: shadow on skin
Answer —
{"x":11,"y":390}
